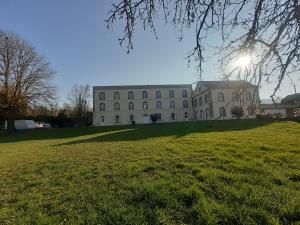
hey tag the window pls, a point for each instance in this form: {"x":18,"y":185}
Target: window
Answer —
{"x":206,"y":113}
{"x":184,"y":93}
{"x":235,"y":96}
{"x":130,"y":106}
{"x":145,"y":94}
{"x":251,"y":110}
{"x":185,"y":115}
{"x":158,"y":116}
{"x":248,"y":96}
{"x":200,"y":101}
{"x":102,"y":119}
{"x":201,"y":114}
{"x":206,"y":99}
{"x":172,"y":104}
{"x":102,"y":96}
{"x":185,"y":104}
{"x":221,"y":97}
{"x":131,"y":117}
{"x":145,"y":105}
{"x":130,"y":95}
{"x":102,"y":107}
{"x":173,"y":116}
{"x":158,"y":94}
{"x":117,"y":119}
{"x":158,"y":105}
{"x":222,"y":112}
{"x":171,"y":94}
{"x":117,"y":106}
{"x":195,"y":102}
{"x":116,"y":96}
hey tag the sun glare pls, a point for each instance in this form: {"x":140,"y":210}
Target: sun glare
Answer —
{"x":243,"y":61}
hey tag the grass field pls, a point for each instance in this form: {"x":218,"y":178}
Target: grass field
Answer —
{"x":217,"y":172}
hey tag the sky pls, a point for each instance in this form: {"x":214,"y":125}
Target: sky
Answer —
{"x":73,"y":37}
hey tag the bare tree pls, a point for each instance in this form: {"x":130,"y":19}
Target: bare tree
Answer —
{"x":79,"y":101}
{"x":25,"y":77}
{"x":265,"y":31}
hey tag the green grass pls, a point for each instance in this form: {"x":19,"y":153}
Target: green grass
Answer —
{"x":217,"y":172}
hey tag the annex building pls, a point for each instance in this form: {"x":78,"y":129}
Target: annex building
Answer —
{"x":120,"y":105}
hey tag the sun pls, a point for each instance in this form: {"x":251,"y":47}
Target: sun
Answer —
{"x":243,"y":61}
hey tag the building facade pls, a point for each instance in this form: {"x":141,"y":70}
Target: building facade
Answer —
{"x":120,"y":105}
{"x":214,"y":99}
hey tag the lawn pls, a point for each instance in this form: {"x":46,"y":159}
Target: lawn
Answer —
{"x":215,"y":172}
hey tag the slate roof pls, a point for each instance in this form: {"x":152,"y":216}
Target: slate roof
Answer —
{"x":142,"y":86}
{"x":227,"y":84}
{"x":291,"y":99}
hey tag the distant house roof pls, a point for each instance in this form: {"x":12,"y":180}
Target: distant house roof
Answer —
{"x":142,"y":86}
{"x":227,"y":84}
{"x":273,"y":106}
{"x":291,"y":99}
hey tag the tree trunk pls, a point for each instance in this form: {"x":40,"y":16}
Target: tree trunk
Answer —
{"x":11,"y":124}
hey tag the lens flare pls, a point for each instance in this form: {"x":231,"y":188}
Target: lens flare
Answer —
{"x":243,"y":61}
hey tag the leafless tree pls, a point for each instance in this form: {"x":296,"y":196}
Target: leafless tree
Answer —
{"x":25,"y":77}
{"x":267,"y":31}
{"x":79,"y":101}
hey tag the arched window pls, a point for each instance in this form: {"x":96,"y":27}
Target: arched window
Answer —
{"x":195,"y":102}
{"x":130,"y":95}
{"x":248,"y":96}
{"x":184,"y":93}
{"x":171,"y":94}
{"x":130,"y":106}
{"x":145,"y":94}
{"x":102,"y":96}
{"x":200,"y":101}
{"x":117,"y":106}
{"x":206,"y":99}
{"x":158,"y":105}
{"x":201,"y":115}
{"x":172,"y":104}
{"x":116,"y":95}
{"x":158,"y":94}
{"x":206,"y":113}
{"x":235,"y":96}
{"x":221,"y":97}
{"x":185,"y":104}
{"x":222,"y":112}
{"x":145,"y":105}
{"x":102,"y":107}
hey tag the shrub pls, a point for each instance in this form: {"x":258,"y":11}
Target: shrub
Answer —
{"x":237,"y":111}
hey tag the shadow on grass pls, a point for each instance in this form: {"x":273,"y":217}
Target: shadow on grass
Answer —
{"x":133,"y":133}
{"x":142,"y":132}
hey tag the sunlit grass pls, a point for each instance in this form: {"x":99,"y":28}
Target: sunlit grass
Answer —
{"x":226,"y":172}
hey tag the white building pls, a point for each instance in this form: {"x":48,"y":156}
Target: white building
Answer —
{"x":214,"y":99}
{"x":116,"y":105}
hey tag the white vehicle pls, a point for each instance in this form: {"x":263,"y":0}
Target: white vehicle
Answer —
{"x":23,"y":124}
{"x":42,"y":125}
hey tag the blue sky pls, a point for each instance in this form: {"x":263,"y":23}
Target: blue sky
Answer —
{"x":72,"y":35}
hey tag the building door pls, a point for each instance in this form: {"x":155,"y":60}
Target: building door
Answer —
{"x":146,"y":119}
